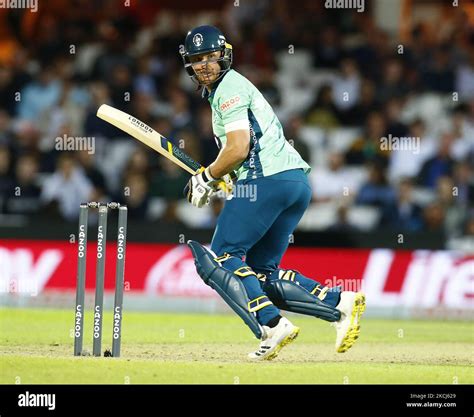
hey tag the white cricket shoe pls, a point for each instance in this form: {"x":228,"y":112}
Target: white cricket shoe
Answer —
{"x":351,"y":306}
{"x":276,"y":338}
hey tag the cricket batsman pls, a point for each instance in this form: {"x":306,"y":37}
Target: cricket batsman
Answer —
{"x":252,"y":234}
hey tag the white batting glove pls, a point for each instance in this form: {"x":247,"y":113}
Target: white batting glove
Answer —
{"x":200,"y":188}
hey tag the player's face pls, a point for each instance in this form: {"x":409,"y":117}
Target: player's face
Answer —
{"x":206,"y":68}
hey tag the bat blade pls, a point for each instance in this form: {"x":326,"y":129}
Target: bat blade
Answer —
{"x":148,"y":136}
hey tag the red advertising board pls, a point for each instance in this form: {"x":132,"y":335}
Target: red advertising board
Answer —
{"x":424,"y":279}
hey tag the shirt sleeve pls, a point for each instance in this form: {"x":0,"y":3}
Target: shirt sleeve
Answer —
{"x":233,"y":104}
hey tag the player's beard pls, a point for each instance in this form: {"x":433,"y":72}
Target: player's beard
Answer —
{"x":207,"y":76}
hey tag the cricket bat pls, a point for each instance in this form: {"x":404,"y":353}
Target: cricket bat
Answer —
{"x":145,"y":134}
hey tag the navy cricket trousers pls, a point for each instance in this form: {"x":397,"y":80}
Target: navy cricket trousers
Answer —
{"x":257,"y":224}
{"x":258,"y":221}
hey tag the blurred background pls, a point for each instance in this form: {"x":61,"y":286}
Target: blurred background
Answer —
{"x":340,"y":80}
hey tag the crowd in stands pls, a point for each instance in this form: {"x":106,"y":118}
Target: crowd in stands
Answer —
{"x":58,"y":66}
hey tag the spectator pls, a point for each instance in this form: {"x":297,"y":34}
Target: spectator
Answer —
{"x":334,"y":183}
{"x":463,"y":131}
{"x":136,"y":196}
{"x":342,"y":223}
{"x":187,"y":140}
{"x":170,"y":182}
{"x":376,"y":191}
{"x":404,"y":214}
{"x":48,"y":40}
{"x":69,"y":110}
{"x":24,"y":197}
{"x":368,"y":147}
{"x":439,"y":165}
{"x":139,"y":163}
{"x":6,"y":177}
{"x":407,"y":162}
{"x":439,"y":76}
{"x":6,"y":135}
{"x":395,"y":126}
{"x":180,"y":109}
{"x":433,"y":218}
{"x":393,"y":83}
{"x":7,"y":90}
{"x":87,"y":161}
{"x":142,"y":107}
{"x":366,"y":104}
{"x":292,"y":134}
{"x":163,"y":126}
{"x":454,"y":212}
{"x":100,"y":94}
{"x":114,"y":56}
{"x":207,"y":141}
{"x":121,"y":86}
{"x":464,"y":243}
{"x":464,"y":81}
{"x":346,"y":86}
{"x":27,"y":137}
{"x":66,"y":189}
{"x":376,"y":47}
{"x":144,"y":82}
{"x":463,"y":180}
{"x":39,"y":95}
{"x":323,"y":113}
{"x":170,"y":214}
{"x":13,"y":78}
{"x":258,"y":51}
{"x":327,"y":48}
{"x":268,"y":87}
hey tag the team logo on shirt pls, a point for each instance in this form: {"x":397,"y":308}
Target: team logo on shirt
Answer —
{"x":197,"y":39}
{"x":229,"y":103}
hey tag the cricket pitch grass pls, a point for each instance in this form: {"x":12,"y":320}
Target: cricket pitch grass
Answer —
{"x":36,"y":347}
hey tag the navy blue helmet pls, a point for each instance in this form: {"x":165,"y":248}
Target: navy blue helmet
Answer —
{"x":202,"y":40}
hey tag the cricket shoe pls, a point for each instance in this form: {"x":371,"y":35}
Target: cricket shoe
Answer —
{"x":276,"y":338}
{"x":351,"y":306}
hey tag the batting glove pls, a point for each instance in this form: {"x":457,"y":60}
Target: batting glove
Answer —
{"x":200,"y":187}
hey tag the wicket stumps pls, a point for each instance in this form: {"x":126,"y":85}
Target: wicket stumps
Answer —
{"x":100,"y":276}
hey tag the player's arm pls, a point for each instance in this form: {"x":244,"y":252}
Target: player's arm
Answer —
{"x":232,"y":154}
{"x":233,"y":112}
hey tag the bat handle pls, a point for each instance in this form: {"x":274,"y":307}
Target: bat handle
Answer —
{"x":222,"y":185}
{"x":226,"y":188}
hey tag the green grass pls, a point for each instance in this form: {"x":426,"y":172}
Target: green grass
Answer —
{"x":36,"y":348}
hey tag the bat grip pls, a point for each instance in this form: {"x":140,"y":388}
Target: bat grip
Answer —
{"x":222,"y":185}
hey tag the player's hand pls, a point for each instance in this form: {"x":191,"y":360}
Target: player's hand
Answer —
{"x":200,"y":187}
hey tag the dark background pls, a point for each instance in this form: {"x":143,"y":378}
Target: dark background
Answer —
{"x":71,"y":56}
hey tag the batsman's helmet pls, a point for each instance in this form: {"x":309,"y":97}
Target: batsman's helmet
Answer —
{"x":202,"y":40}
